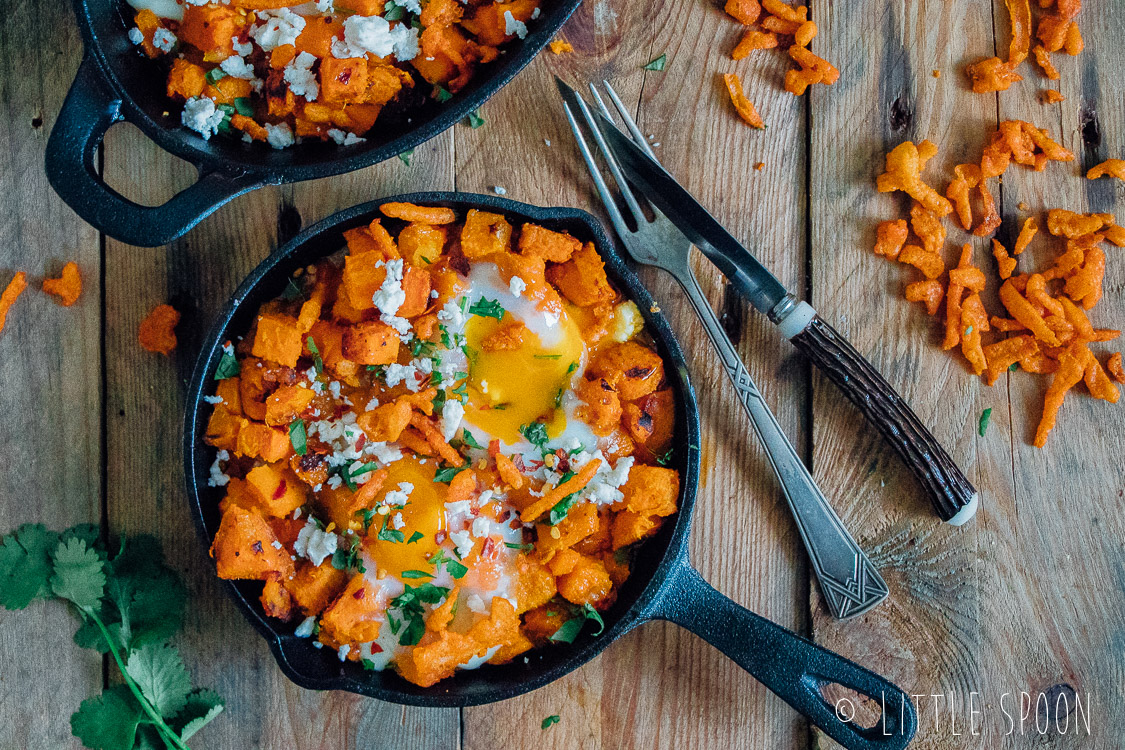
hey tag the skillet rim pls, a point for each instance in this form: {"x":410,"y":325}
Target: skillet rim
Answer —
{"x":670,"y":544}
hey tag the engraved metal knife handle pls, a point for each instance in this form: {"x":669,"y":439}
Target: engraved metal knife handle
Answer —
{"x":849,"y":581}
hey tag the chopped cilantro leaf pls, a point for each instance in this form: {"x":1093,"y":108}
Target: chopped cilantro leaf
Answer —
{"x":487,"y":308}
{"x":1014,"y":366}
{"x":536,"y":434}
{"x":416,"y":574}
{"x":392,"y":11}
{"x":446,"y":473}
{"x":368,"y":665}
{"x":573,"y":366}
{"x":546,"y":356}
{"x":521,"y":547}
{"x":549,"y":721}
{"x":664,"y":458}
{"x":388,"y":534}
{"x":406,"y":156}
{"x":561,"y":508}
{"x":442,"y":94}
{"x":570,"y":629}
{"x":658,"y":64}
{"x":318,"y":363}
{"x":475,"y":120}
{"x":292,"y":291}
{"x":416,"y":536}
{"x":228,"y":367}
{"x":243,"y":106}
{"x":215,"y":74}
{"x":468,"y":439}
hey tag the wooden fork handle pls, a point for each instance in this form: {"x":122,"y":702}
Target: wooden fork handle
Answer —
{"x":953,"y":496}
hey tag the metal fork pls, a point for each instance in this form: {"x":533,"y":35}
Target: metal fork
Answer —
{"x":850,"y":583}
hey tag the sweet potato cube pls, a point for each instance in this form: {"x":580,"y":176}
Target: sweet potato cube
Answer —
{"x":278,"y":339}
{"x":243,"y":547}
{"x":540,"y":242}
{"x":485,"y":233}
{"x":223,"y":428}
{"x":632,"y":369}
{"x":329,"y":340}
{"x":436,"y":657}
{"x":320,"y":31}
{"x":276,"y":489}
{"x":580,"y":522}
{"x":650,"y":490}
{"x":371,"y":343}
{"x":587,"y":583}
{"x":416,"y":285}
{"x":343,"y":80}
{"x":276,"y":600}
{"x":630,"y":527}
{"x":363,"y":275}
{"x":582,"y":279}
{"x":374,"y":238}
{"x":257,"y":440}
{"x":386,"y":422}
{"x":228,"y":391}
{"x":601,"y":406}
{"x":542,"y":622}
{"x":421,"y":244}
{"x":352,"y":617}
{"x":286,"y":404}
{"x":210,"y":27}
{"x":185,"y":80}
{"x":315,"y":586}
{"x":534,"y":584}
{"x":238,"y":493}
{"x":653,"y":415}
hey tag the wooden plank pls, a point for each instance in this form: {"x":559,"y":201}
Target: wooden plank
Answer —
{"x":995,"y":607}
{"x":145,"y":402}
{"x":50,"y":375}
{"x":659,"y":686}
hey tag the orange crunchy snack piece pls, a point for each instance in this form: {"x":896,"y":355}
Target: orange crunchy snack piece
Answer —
{"x":743,"y":11}
{"x":1116,"y":368}
{"x":419,"y":214}
{"x":929,"y":292}
{"x":11,"y":293}
{"x":1027,"y":233}
{"x":743,"y":106}
{"x":67,"y":287}
{"x":813,"y":69}
{"x":754,"y":40}
{"x":560,"y":46}
{"x":1005,"y":263}
{"x":1071,"y":369}
{"x":157,"y":332}
{"x":966,"y":177}
{"x":904,"y":172}
{"x":891,"y":237}
{"x":1110,"y":167}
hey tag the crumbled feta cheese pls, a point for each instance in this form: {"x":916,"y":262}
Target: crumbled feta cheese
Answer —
{"x":323,"y":6}
{"x":396,"y":373}
{"x":496,"y":188}
{"x":401,"y":326}
{"x":484,"y":386}
{"x":275,"y":544}
{"x":383,"y":453}
{"x":452,"y":412}
{"x":463,"y":541}
{"x":344,"y":138}
{"x":400,"y":497}
{"x":424,"y":366}
{"x":306,"y":628}
{"x":627,"y":321}
{"x":372,"y":404}
{"x":213,"y":400}
{"x":476,"y":604}
{"x":536,"y":13}
{"x":302,"y":81}
{"x":374,"y":35}
{"x":315,"y":544}
{"x":547,"y":141}
{"x":163,"y":40}
{"x":604,"y":488}
{"x":434,"y":294}
{"x":517,"y":286}
{"x":512,"y":25}
{"x":397,"y":522}
{"x":452,"y":314}
{"x":342,"y":652}
{"x":296,"y":513}
{"x":136,"y":36}
{"x":485,"y":498}
{"x":335,"y":481}
{"x":279,"y":27}
{"x":480,"y":527}
{"x":391,"y":295}
{"x":201,"y":116}
{"x":410,"y":6}
{"x":279,"y":136}
{"x":241,"y":49}
{"x":236,"y":67}
{"x":334,"y":389}
{"x":551,"y":319}
{"x":218,"y":478}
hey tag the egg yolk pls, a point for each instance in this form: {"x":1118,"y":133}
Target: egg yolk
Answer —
{"x":424,"y":514}
{"x":510,"y":388}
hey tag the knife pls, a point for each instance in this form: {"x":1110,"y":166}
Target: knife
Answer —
{"x":953,"y":496}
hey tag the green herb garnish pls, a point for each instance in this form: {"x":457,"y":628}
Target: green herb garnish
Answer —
{"x":215,"y":74}
{"x":417,"y":535}
{"x":416,"y":574}
{"x":406,"y":156}
{"x":130,"y":605}
{"x":985,"y":418}
{"x":536,"y":434}
{"x":442,"y":94}
{"x":487,"y":308}
{"x":446,"y":473}
{"x":546,"y":356}
{"x":292,"y":291}
{"x":664,"y":458}
{"x":243,"y":106}
{"x":387,"y":534}
{"x":549,"y":721}
{"x":298,"y":438}
{"x":521,"y":547}
{"x":475,"y":120}
{"x":570,"y":629}
{"x":349,"y":559}
{"x":658,"y":64}
{"x":318,"y":363}
{"x":228,"y":366}
{"x":468,"y":439}
{"x":393,"y":11}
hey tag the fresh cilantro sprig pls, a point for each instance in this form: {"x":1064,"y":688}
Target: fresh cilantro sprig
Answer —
{"x":130,"y":604}
{"x":454,"y":568}
{"x":409,"y":624}
{"x":536,"y":434}
{"x":347,"y":558}
{"x":570,"y":629}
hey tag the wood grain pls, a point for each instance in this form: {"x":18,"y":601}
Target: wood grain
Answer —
{"x":661,"y":687}
{"x":50,"y":373}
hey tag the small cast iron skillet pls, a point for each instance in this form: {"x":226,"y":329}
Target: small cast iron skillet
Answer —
{"x":663,"y":585}
{"x":115,"y":82}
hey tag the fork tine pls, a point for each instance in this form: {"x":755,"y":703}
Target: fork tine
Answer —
{"x":599,"y":182}
{"x":611,"y":162}
{"x":630,"y":123}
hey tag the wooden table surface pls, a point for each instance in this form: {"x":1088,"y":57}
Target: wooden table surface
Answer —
{"x":1027,"y":598}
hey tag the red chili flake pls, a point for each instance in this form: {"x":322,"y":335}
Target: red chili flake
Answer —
{"x":519,"y":464}
{"x":439,"y":537}
{"x":376,"y":648}
{"x":514,"y":523}
{"x":358,"y":594}
{"x":344,"y":76}
{"x":280,"y":491}
{"x":493,"y":447}
{"x":257,"y":547}
{"x":488,"y":550}
{"x":504,"y":516}
{"x":563,"y":462}
{"x":360,"y":441}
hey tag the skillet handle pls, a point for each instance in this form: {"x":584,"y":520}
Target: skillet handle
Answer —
{"x":790,"y":666}
{"x":87,"y":113}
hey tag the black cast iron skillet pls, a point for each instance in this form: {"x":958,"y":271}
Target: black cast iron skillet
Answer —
{"x":663,"y":585}
{"x":115,"y":82}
